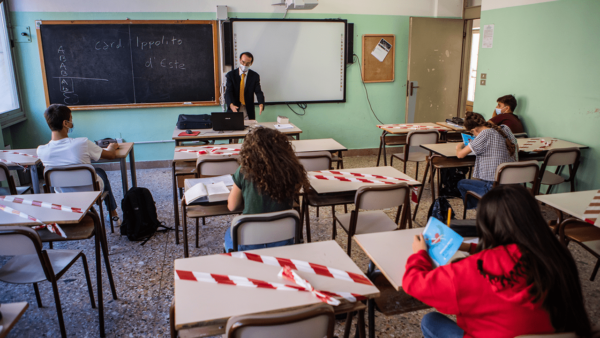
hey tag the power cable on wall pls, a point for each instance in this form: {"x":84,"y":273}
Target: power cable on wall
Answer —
{"x":302,"y":106}
{"x":365,"y":86}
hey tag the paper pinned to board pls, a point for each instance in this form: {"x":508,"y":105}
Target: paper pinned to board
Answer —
{"x":488,"y":36}
{"x":381,"y":50}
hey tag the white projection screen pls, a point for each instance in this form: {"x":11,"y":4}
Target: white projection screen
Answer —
{"x":299,"y":61}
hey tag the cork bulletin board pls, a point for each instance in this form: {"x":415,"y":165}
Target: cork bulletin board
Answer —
{"x":374,"y":70}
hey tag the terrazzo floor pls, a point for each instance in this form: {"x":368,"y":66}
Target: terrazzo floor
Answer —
{"x":144,"y":274}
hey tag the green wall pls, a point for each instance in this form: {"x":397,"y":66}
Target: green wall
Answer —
{"x":547,"y":55}
{"x":350,"y":123}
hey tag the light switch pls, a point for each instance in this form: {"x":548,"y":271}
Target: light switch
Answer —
{"x":482,"y":82}
{"x":483,"y":75}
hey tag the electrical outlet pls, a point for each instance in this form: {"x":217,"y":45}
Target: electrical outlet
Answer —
{"x":483,"y":75}
{"x":482,"y":82}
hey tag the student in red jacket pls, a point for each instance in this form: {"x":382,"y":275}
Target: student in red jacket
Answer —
{"x":518,"y":280}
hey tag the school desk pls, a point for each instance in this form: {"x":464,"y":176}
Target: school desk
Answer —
{"x":208,"y":306}
{"x":82,"y":200}
{"x":121,"y":157}
{"x":403,"y":129}
{"x":20,"y":161}
{"x":454,"y":127}
{"x":572,"y":203}
{"x":211,"y":135}
{"x":11,"y":313}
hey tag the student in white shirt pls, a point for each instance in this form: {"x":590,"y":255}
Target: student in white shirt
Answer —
{"x":63,"y":150}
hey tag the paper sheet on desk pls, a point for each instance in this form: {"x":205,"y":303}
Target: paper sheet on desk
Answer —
{"x":381,"y":50}
{"x":283,"y":126}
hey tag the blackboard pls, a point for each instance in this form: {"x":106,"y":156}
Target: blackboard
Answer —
{"x":128,"y":64}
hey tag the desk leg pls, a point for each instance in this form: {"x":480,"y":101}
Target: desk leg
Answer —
{"x":175,"y":204}
{"x":132,"y":169}
{"x":123,"y":165}
{"x":35,"y":182}
{"x":432,"y":175}
{"x":384,"y":152}
{"x":99,"y":280}
{"x":186,"y":251}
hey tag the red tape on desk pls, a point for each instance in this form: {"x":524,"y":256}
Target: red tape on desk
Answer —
{"x":379,"y":177}
{"x":40,"y":204}
{"x":17,"y":153}
{"x":52,"y":227}
{"x":303,"y":266}
{"x":592,"y":212}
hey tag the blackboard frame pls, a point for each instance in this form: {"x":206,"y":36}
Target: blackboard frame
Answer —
{"x":135,"y":22}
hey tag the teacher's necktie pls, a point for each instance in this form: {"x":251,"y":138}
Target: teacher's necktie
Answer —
{"x":242,"y":90}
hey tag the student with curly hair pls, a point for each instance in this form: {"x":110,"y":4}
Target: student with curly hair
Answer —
{"x":269,"y":177}
{"x":518,"y":280}
{"x":493,"y":145}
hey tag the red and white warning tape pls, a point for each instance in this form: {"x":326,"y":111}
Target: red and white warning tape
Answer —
{"x":199,"y":152}
{"x":52,"y":227}
{"x":206,"y":150}
{"x":347,"y":173}
{"x":409,"y":126}
{"x":537,"y":144}
{"x":592,"y":212}
{"x":10,"y":162}
{"x":303,"y":266}
{"x":196,"y":276}
{"x":347,"y":179}
{"x":17,"y":153}
{"x":40,"y":204}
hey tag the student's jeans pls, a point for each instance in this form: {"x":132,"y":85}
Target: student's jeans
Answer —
{"x":477,"y":186}
{"x":436,"y":325}
{"x":110,"y":202}
{"x":229,"y":243}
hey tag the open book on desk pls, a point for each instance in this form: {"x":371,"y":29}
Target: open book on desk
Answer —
{"x":210,"y":189}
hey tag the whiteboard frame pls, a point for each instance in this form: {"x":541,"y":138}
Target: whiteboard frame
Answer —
{"x":216,"y":102}
{"x":232,"y":59}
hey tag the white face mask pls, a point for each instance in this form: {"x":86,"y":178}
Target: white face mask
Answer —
{"x":498,"y":111}
{"x":244,"y":68}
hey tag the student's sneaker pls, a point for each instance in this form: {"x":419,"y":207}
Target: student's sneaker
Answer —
{"x":116,"y":221}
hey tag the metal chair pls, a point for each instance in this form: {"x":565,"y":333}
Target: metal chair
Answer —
{"x":315,"y":321}
{"x":32,"y":264}
{"x":374,"y":198}
{"x":265,"y":228}
{"x":12,"y":188}
{"x":511,"y":173}
{"x":585,"y":234}
{"x":559,"y":158}
{"x":79,"y":177}
{"x":413,"y":151}
{"x":208,"y":166}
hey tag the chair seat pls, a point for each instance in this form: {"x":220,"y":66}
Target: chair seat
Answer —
{"x":368,"y":222}
{"x":391,"y":302}
{"x":82,"y":230}
{"x":20,"y":191}
{"x":412,"y":157}
{"x":24,"y":269}
{"x":550,"y":178}
{"x":195,"y":211}
{"x":583,"y":234}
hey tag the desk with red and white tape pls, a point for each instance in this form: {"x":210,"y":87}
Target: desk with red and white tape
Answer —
{"x":346,"y":176}
{"x":210,"y":150}
{"x":592,"y":212}
{"x":410,"y":127}
{"x":12,"y":152}
{"x":288,"y":266}
{"x":537,"y":144}
{"x":52,"y":227}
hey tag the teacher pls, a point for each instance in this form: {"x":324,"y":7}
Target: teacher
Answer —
{"x":242,"y":84}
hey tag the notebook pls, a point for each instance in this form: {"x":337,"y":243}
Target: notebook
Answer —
{"x":467,"y":138}
{"x":442,"y":242}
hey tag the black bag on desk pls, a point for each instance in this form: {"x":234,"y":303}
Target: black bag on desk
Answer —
{"x":201,"y":121}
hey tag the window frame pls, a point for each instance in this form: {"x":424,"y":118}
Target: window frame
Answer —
{"x":14,"y":116}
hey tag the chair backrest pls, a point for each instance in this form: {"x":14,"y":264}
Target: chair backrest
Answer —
{"x":564,"y":156}
{"x":551,"y":335}
{"x":82,"y":176}
{"x":5,"y":176}
{"x":418,"y":137}
{"x":19,"y":240}
{"x":315,"y":160}
{"x":315,"y":321}
{"x":216,"y":165}
{"x":265,"y":228}
{"x":518,"y":173}
{"x":381,"y":196}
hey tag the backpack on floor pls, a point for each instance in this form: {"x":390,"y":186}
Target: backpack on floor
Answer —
{"x":449,"y":178}
{"x":140,"y":220}
{"x":439,"y":209}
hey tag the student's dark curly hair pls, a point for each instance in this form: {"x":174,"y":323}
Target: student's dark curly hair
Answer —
{"x":268,"y":160}
{"x":474,"y":120}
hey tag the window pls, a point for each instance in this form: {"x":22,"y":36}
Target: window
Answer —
{"x":10,"y":106}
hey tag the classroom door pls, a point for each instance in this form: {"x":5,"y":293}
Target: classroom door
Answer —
{"x":434,"y":69}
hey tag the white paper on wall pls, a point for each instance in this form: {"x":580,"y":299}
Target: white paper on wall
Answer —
{"x":381,"y":50}
{"x":488,"y":36}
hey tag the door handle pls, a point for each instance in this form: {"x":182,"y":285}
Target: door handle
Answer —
{"x":412,"y":85}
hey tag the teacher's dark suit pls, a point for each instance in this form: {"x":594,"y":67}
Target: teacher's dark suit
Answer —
{"x":232,"y":93}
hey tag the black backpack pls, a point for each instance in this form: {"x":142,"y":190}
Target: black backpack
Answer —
{"x":439,"y":209}
{"x":198,"y":121}
{"x":449,"y":181}
{"x":140,"y":221}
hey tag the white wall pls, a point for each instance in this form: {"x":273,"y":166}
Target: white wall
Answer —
{"x":444,"y":8}
{"x":496,"y":4}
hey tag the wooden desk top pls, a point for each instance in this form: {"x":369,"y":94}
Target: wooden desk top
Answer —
{"x":406,"y":128}
{"x":182,"y":156}
{"x":200,"y":304}
{"x":83,"y":200}
{"x":20,"y":159}
{"x":324,"y":144}
{"x":573,"y":203}
{"x":451,"y":126}
{"x":124,"y":149}
{"x":211,"y":134}
{"x":389,"y":251}
{"x":326,"y":186}
{"x":11,"y":313}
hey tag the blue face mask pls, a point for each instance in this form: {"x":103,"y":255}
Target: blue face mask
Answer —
{"x":498,"y":111}
{"x":71,"y":129}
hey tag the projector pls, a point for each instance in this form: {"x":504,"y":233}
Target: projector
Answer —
{"x":296,"y":4}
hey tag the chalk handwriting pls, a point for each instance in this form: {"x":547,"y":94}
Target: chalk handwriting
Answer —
{"x":162,"y":41}
{"x":103,"y":45}
{"x":164,"y":63}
